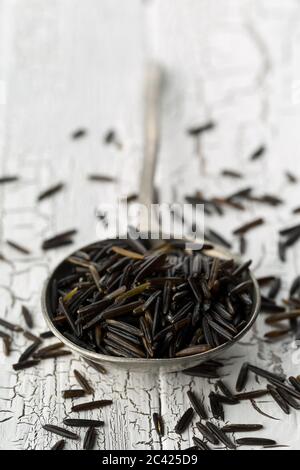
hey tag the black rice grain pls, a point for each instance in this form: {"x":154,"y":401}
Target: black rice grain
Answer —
{"x":259,"y":152}
{"x":295,"y":383}
{"x":6,"y":345}
{"x":46,"y":335}
{"x":251,"y":395}
{"x":91,"y":405}
{"x":216,"y":407}
{"x":225,"y":390}
{"x":242,"y":377}
{"x":197,"y":405}
{"x":274,"y":289}
{"x":184,"y":421}
{"x":31,"y":336}
{"x":265,"y":373}
{"x":73,"y":393}
{"x":83,"y":382}
{"x":198,"y":130}
{"x":59,"y":240}
{"x":83,"y":423}
{"x":242,"y":427}
{"x":8,"y":179}
{"x":50,"y":191}
{"x":232,"y":173}
{"x":255,"y":441}
{"x":248,"y":226}
{"x":200,"y":444}
{"x":25,"y":364}
{"x":292,"y":178}
{"x":220,"y":435}
{"x":27,"y":317}
{"x":60,"y":431}
{"x":278,"y":398}
{"x":18,"y":247}
{"x":101,"y":178}
{"x":290,"y":401}
{"x":59,"y":445}
{"x":56,"y":354}
{"x":79,"y":133}
{"x":29,"y":352}
{"x":158,"y":424}
{"x":207,"y":434}
{"x":96,"y":366}
{"x":90,"y":439}
{"x":10,"y":326}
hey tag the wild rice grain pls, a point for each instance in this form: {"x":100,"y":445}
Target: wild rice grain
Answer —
{"x":251,"y":395}
{"x":8,"y":179}
{"x":46,"y":335}
{"x":96,"y":366}
{"x":265,"y":373}
{"x":73,"y":393}
{"x":200,"y":444}
{"x":10,"y":326}
{"x":255,"y":441}
{"x":90,"y":439}
{"x":79,"y":133}
{"x":225,"y":390}
{"x":184,"y":421}
{"x":83,"y":423}
{"x":59,"y":445}
{"x":197,"y":405}
{"x":18,"y":247}
{"x":258,"y":153}
{"x":29,"y":352}
{"x":232,"y":173}
{"x":242,"y":377}
{"x":25,"y":364}
{"x":216,"y":407}
{"x":27,"y":317}
{"x":50,"y":191}
{"x":158,"y":424}
{"x":220,"y":435}
{"x":242,"y":427}
{"x":198,"y":130}
{"x":207,"y":434}
{"x":6,"y":345}
{"x":60,"y":431}
{"x":278,"y":398}
{"x":248,"y":226}
{"x":91,"y":405}
{"x":295,"y":383}
{"x":290,"y":401}
{"x":101,"y":178}
{"x":83,"y":382}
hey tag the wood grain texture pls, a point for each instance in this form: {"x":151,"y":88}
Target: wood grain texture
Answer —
{"x":66,"y":64}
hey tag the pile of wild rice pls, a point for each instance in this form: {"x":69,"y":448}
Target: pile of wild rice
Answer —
{"x":149,"y":303}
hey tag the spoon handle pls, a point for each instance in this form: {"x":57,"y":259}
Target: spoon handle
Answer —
{"x":153,"y":85}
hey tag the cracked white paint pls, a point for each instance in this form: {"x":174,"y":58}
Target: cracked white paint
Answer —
{"x":66,"y":64}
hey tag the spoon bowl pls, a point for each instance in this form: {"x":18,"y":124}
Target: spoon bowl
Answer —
{"x":140,"y":364}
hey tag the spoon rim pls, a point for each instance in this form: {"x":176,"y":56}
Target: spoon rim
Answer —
{"x":159,"y":362}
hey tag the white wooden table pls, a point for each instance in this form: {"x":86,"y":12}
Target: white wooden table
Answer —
{"x":66,"y":64}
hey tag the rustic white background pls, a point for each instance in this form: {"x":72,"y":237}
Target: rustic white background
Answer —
{"x":70,"y":63}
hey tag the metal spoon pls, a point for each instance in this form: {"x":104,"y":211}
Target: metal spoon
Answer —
{"x":152,"y":101}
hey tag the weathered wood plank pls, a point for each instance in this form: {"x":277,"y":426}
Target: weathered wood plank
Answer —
{"x":64,"y":65}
